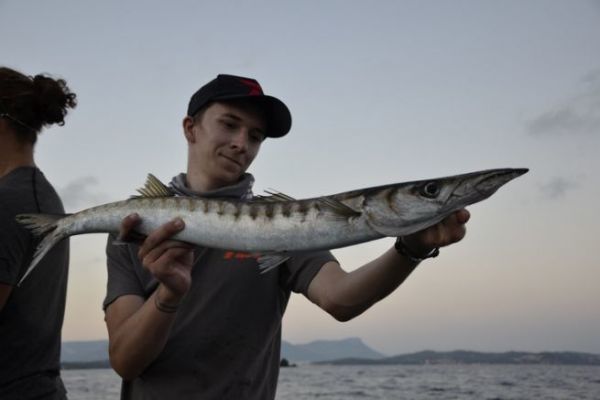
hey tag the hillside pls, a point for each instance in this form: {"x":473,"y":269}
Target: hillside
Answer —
{"x":472,"y":357}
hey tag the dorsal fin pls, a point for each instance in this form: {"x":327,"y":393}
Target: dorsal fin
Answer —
{"x":274,"y":196}
{"x":339,"y":207}
{"x":154,"y":188}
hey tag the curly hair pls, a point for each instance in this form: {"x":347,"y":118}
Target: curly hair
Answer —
{"x":30,"y":103}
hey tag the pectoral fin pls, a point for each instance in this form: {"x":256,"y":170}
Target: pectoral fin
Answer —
{"x":339,"y":207}
{"x":269,"y":261}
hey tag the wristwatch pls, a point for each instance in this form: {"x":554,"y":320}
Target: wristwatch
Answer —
{"x":401,"y":248}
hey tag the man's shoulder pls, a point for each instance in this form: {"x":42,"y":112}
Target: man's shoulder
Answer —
{"x":14,"y":201}
{"x":10,"y":192}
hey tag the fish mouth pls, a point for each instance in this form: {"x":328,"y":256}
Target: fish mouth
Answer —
{"x":478,"y":186}
{"x":493,"y":180}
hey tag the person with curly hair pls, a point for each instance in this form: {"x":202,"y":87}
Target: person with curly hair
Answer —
{"x":31,"y":315}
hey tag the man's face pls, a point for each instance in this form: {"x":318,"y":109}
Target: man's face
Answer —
{"x":223,"y":142}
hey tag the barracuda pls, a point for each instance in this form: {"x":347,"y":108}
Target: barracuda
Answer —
{"x":278,"y":225}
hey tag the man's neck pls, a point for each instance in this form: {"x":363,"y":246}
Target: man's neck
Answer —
{"x":14,"y":154}
{"x":198,"y":183}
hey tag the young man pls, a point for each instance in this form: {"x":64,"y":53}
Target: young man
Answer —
{"x":189,"y":322}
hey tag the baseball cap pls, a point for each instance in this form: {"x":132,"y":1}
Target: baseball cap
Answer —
{"x":230,"y":87}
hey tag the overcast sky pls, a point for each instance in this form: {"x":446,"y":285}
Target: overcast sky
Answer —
{"x":380,"y":92}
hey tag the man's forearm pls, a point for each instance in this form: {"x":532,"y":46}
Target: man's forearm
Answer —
{"x":347,"y":295}
{"x":138,"y":338}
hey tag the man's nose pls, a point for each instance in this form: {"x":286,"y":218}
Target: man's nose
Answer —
{"x":240,"y":140}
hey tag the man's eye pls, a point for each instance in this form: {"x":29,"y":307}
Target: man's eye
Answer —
{"x":228,"y":124}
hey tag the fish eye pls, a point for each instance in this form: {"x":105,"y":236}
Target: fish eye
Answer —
{"x":430,"y":189}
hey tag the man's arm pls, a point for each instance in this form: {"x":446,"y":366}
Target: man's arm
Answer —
{"x":346,"y":295}
{"x":137,"y":333}
{"x":138,"y":329}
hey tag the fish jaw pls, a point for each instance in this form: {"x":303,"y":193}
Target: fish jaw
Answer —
{"x":497,"y":178}
{"x":477,"y":186}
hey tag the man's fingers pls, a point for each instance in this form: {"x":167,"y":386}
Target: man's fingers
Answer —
{"x":171,"y":265}
{"x":458,"y":234}
{"x":166,"y":252}
{"x":127,"y":225}
{"x":462,"y":216}
{"x":453,"y":228}
{"x":159,"y":235}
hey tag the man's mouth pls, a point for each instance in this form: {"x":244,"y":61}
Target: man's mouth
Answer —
{"x":236,"y":162}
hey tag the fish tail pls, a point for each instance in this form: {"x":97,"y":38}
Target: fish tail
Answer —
{"x":46,"y":227}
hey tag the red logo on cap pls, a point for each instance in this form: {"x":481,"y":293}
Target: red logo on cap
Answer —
{"x":255,"y":89}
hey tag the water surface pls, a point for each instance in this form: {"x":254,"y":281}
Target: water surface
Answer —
{"x":464,"y":382}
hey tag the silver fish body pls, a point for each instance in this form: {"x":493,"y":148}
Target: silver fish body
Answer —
{"x":280,"y":224}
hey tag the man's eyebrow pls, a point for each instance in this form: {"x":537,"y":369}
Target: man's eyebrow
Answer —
{"x":238,"y":118}
{"x":230,"y":115}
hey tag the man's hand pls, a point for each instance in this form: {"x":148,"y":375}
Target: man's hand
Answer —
{"x":169,"y":261}
{"x":451,"y":230}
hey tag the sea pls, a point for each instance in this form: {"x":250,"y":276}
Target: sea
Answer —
{"x":464,"y":382}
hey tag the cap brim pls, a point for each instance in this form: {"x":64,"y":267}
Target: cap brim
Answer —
{"x":278,"y":116}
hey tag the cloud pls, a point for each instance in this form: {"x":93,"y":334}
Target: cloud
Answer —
{"x":579,"y":115}
{"x":80,"y":193}
{"x":592,"y":77}
{"x":557,"y":187}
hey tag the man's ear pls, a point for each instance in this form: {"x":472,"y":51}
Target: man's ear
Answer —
{"x":188,"y":129}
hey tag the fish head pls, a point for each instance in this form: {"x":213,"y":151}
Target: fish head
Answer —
{"x":402,"y":209}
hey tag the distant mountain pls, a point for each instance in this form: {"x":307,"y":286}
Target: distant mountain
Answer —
{"x":86,"y":351}
{"x":96,"y":352}
{"x":472,"y":357}
{"x":352,"y":351}
{"x":321,"y":350}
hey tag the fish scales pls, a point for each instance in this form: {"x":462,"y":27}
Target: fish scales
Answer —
{"x":266,"y":226}
{"x":227,"y":224}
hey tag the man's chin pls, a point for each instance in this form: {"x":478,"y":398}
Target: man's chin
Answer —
{"x":231,"y":176}
{"x":232,"y":168}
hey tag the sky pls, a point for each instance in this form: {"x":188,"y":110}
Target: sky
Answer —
{"x":380,"y":92}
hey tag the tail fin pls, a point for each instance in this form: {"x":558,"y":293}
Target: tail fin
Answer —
{"x":44,"y":225}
